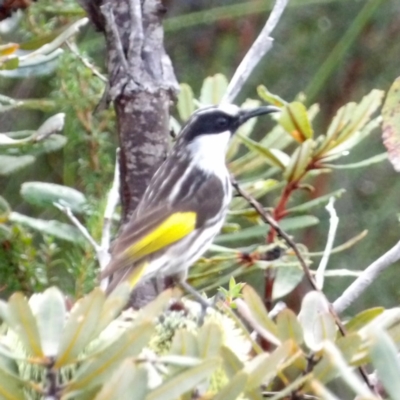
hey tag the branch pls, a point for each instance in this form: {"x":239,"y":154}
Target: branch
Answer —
{"x":281,"y":233}
{"x":112,"y":202}
{"x":257,"y":51}
{"x":333,"y":224}
{"x":67,"y":211}
{"x":74,"y":50}
{"x":270,"y":221}
{"x":366,"y":278}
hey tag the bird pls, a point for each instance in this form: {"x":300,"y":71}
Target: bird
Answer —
{"x":185,"y":203}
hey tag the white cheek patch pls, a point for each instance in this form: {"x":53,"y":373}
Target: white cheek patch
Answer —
{"x":208,"y":151}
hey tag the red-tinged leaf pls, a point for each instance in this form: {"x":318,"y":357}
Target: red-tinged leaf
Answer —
{"x":391,"y":124}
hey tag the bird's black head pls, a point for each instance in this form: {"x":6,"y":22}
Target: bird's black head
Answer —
{"x":219,"y":119}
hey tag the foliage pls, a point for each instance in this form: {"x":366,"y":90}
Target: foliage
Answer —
{"x":48,"y":350}
{"x":94,"y":350}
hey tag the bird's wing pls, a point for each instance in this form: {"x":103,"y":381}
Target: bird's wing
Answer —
{"x":148,"y":233}
{"x":159,"y":225}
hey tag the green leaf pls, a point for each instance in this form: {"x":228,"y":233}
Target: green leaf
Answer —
{"x":295,"y":121}
{"x":289,"y":327}
{"x":5,"y":233}
{"x":53,"y":228}
{"x":321,"y":391}
{"x":213,"y":89}
{"x":258,"y":311}
{"x":10,"y":387}
{"x":260,"y":231}
{"x":287,"y":278}
{"x":267,"y":96}
{"x":233,"y":388}
{"x":186,"y":380}
{"x":351,"y":347}
{"x":80,"y":327}
{"x":185,"y":103}
{"x":50,"y":317}
{"x":129,"y":344}
{"x":5,"y":210}
{"x":113,"y":305}
{"x":299,"y":161}
{"x":184,"y":343}
{"x":231,"y":362}
{"x":391,"y":124}
{"x":316,"y":320}
{"x":345,"y":130}
{"x":11,"y":63}
{"x":39,"y":41}
{"x":319,"y":201}
{"x":209,"y":340}
{"x":363,"y":318}
{"x":264,"y":367}
{"x":54,"y":142}
{"x":18,"y":316}
{"x":127,"y":383}
{"x":269,"y":156}
{"x":46,"y":194}
{"x":346,"y":372}
{"x":361,"y":164}
{"x":11,"y":164}
{"x":384,"y":357}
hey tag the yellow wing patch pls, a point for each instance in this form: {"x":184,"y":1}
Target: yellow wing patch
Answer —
{"x":174,"y":228}
{"x":136,"y":274}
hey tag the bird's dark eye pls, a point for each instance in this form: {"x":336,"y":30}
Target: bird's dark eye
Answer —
{"x":221,"y":122}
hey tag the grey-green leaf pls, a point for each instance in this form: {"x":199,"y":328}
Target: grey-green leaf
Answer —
{"x":45,"y":194}
{"x":233,"y":388}
{"x":53,"y":228}
{"x":186,"y":380}
{"x":128,"y":344}
{"x":80,"y":327}
{"x":10,"y":164}
{"x":127,"y":383}
{"x":51,"y":318}
{"x":18,"y":316}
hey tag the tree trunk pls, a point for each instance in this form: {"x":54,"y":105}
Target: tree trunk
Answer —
{"x":141,"y":85}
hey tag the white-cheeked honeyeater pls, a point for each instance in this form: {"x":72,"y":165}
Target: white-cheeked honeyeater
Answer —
{"x":185,"y":204}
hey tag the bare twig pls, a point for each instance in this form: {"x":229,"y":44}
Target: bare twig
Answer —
{"x":73,"y":48}
{"x":366,"y":278}
{"x":270,"y":221}
{"x":102,"y":250}
{"x":67,"y":211}
{"x":257,"y":51}
{"x":333,"y":224}
{"x":267,"y":218}
{"x":112,"y":202}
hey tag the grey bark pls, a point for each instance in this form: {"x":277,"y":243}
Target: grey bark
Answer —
{"x":141,"y":85}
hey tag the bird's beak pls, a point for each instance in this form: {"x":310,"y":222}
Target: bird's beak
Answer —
{"x":255,"y":112}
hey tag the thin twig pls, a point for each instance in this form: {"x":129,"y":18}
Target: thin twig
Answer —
{"x":366,"y":278}
{"x":112,"y":202}
{"x":281,"y":233}
{"x":257,"y":51}
{"x":267,"y":218}
{"x":333,"y":224}
{"x":74,"y":50}
{"x":67,"y":211}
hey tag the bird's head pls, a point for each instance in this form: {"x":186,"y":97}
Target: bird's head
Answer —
{"x":221,"y":120}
